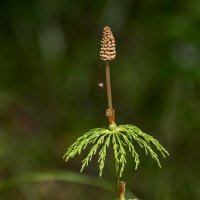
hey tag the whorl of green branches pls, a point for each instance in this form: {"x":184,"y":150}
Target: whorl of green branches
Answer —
{"x":122,"y":138}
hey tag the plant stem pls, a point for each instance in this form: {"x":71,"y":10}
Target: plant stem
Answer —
{"x":121,"y":190}
{"x":108,"y":85}
{"x":110,"y":113}
{"x":120,"y":186}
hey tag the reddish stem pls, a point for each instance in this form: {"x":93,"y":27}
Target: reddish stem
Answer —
{"x":110,"y":113}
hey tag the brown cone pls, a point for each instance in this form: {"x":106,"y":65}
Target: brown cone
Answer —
{"x":107,"y":50}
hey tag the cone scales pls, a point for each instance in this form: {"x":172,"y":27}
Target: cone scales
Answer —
{"x":107,"y":50}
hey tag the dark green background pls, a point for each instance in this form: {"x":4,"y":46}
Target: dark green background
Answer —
{"x":49,"y":93}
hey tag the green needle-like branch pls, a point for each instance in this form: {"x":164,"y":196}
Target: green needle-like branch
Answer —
{"x":124,"y":138}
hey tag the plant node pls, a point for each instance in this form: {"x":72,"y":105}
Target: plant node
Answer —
{"x":110,"y":114}
{"x":121,"y":190}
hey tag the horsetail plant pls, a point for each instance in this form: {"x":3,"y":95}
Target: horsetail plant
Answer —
{"x":122,"y":138}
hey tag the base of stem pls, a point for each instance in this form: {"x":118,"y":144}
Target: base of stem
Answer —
{"x":121,"y":190}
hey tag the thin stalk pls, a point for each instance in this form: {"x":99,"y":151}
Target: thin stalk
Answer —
{"x":108,"y":85}
{"x":110,"y":113}
{"x":111,"y":119}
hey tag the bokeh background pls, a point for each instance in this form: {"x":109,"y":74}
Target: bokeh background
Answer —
{"x":49,"y":93}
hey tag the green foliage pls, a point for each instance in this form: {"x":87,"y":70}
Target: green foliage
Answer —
{"x":122,"y":139}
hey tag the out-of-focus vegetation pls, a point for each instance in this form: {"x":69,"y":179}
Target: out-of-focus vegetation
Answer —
{"x":49,"y":93}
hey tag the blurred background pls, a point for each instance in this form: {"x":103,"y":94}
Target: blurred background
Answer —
{"x":49,"y":94}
